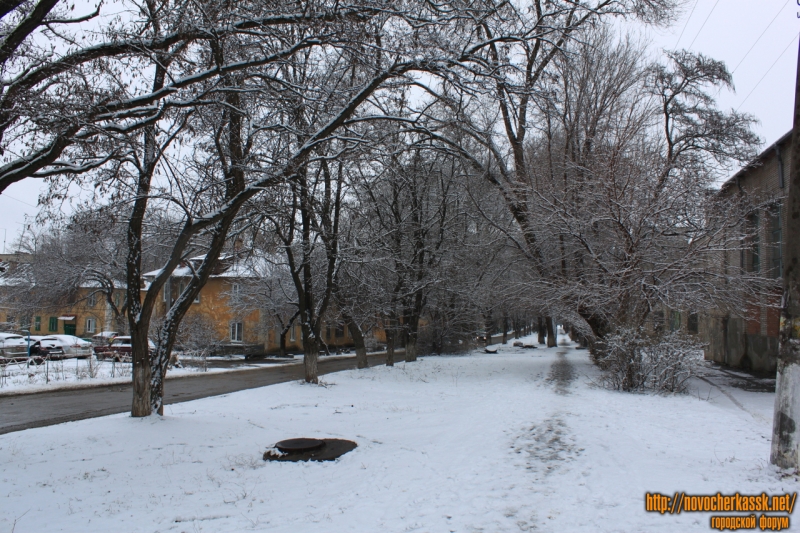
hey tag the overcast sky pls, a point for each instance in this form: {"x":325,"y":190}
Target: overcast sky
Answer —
{"x":757,"y":39}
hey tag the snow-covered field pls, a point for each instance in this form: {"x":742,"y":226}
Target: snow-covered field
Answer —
{"x":517,"y":441}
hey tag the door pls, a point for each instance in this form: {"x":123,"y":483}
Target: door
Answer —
{"x":69,"y":329}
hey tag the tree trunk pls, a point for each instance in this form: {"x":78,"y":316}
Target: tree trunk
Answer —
{"x":282,"y":343}
{"x":158,"y":372}
{"x":489,"y":323}
{"x":411,"y":348}
{"x":540,"y":330}
{"x":310,"y":357}
{"x":785,"y":451}
{"x":389,"y":347}
{"x":141,"y":372}
{"x":358,"y":341}
{"x":411,"y":338}
{"x":551,"y":332}
{"x":505,"y":328}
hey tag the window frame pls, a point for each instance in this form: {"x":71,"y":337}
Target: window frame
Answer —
{"x":237,"y":331}
{"x":755,"y":243}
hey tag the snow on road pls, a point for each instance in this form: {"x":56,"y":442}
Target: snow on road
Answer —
{"x":517,"y":441}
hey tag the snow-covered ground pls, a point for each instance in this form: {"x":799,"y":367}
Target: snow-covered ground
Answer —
{"x":516,"y":441}
{"x":78,"y":373}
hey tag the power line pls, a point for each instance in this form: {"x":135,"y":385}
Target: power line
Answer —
{"x":704,"y":24}
{"x":687,"y":23}
{"x":767,"y":72}
{"x":760,"y":36}
{"x":5,"y":195}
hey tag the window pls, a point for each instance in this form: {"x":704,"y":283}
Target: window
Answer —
{"x":292,"y":335}
{"x":776,"y":240}
{"x":116,"y":299}
{"x":182,"y":287}
{"x":339,"y":331}
{"x":755,"y":244}
{"x":658,"y":321}
{"x":675,"y":321}
{"x":237,"y":330}
{"x":37,"y":323}
{"x":327,"y":331}
{"x":692,"y":324}
{"x":165,"y":293}
{"x":91,"y":324}
{"x":91,"y":300}
{"x":53,"y":325}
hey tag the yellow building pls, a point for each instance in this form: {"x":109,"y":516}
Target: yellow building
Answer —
{"x":84,"y":313}
{"x":212,"y":319}
{"x":88,"y":316}
{"x":214,"y":316}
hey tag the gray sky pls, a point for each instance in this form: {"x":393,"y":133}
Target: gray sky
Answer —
{"x":757,"y":39}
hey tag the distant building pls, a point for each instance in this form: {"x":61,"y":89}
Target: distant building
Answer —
{"x":235,"y":330}
{"x":225,"y":327}
{"x":84,"y":313}
{"x":752,"y":342}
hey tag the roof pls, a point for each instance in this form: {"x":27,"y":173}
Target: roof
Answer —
{"x":757,"y":161}
{"x":229,"y":266}
{"x":21,"y":274}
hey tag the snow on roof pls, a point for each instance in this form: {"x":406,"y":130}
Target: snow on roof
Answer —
{"x":22,"y":274}
{"x":228,"y":266}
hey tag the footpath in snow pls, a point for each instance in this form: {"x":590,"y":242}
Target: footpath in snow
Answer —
{"x":521,"y":440}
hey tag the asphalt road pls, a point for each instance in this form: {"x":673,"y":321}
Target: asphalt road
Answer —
{"x":27,"y":411}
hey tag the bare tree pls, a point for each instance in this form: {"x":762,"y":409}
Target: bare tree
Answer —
{"x":267,"y":96}
{"x":611,"y":192}
{"x":81,"y":259}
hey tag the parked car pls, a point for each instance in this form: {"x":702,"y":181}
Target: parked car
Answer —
{"x":14,"y":348}
{"x":13,"y":345}
{"x":119,"y":349}
{"x":103,"y":338}
{"x":39,"y":353}
{"x":70,"y":345}
{"x":50,"y":348}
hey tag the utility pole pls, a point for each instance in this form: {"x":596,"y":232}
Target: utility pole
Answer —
{"x":785,"y":451}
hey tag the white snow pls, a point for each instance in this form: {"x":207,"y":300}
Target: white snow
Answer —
{"x":487,"y":442}
{"x":79,"y":373}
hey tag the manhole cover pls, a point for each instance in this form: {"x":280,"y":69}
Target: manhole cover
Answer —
{"x":299,"y":445}
{"x":320,"y":450}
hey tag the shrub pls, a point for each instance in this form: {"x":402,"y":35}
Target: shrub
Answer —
{"x":633,"y":361}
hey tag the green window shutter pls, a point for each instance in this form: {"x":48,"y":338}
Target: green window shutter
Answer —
{"x":37,"y":323}
{"x":53,"y":324}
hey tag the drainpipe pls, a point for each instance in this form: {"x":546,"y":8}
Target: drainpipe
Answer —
{"x":780,"y":165}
